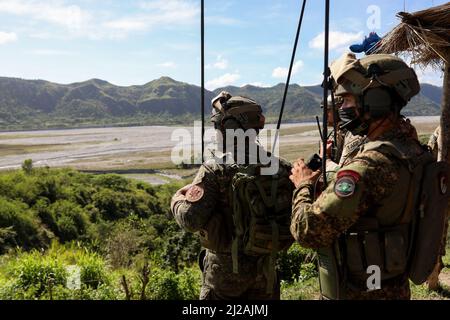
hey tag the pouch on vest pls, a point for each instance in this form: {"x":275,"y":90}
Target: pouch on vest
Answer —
{"x":215,"y":235}
{"x":429,"y":220}
{"x":262,"y":211}
{"x":261,"y":214}
{"x":329,"y":273}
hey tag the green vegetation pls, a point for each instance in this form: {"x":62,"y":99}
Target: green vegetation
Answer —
{"x":113,"y":230}
{"x":71,"y":235}
{"x":108,"y":226}
{"x":38,"y":104}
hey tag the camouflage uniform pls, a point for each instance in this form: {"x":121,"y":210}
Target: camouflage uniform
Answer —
{"x":209,"y":211}
{"x":352,"y":142}
{"x":340,"y":142}
{"x":433,"y":142}
{"x":377,"y":186}
{"x":434,"y":146}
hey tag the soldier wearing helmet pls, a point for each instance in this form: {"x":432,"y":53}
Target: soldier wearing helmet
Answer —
{"x":205,"y":207}
{"x":359,"y":224}
{"x":344,"y":138}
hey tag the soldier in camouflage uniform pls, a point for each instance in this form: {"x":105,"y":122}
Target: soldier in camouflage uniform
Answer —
{"x":433,"y":280}
{"x":358,"y":220}
{"x":204,"y":207}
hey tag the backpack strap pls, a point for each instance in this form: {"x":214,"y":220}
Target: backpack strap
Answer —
{"x":271,"y":202}
{"x":237,"y":220}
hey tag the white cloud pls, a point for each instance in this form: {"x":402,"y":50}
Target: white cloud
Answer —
{"x":222,"y":81}
{"x":337,"y":40}
{"x":49,"y":52}
{"x":56,"y":12}
{"x":257,"y":84}
{"x":311,"y":80}
{"x":126,"y":24}
{"x":165,"y":5}
{"x":168,"y":64}
{"x":220,"y":63}
{"x":425,"y":75}
{"x":430,"y":76}
{"x":225,"y":21}
{"x":6,"y":37}
{"x":281,"y":72}
{"x":81,"y":23}
{"x":160,"y":13}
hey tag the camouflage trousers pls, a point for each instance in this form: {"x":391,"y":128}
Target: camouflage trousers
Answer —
{"x":220,"y":283}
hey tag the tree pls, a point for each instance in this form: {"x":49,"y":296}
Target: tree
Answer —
{"x":27,"y":166}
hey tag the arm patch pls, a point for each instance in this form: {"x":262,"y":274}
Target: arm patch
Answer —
{"x":195,"y":193}
{"x":346,"y":183}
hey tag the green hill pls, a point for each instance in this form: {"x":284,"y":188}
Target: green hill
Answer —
{"x":36,"y":104}
{"x":432,"y":92}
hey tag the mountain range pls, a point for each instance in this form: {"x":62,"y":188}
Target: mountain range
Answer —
{"x":35,"y":104}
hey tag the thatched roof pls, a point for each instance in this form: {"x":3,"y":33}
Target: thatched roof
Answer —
{"x":423,"y":35}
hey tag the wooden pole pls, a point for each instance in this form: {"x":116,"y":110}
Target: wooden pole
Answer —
{"x":444,"y":137}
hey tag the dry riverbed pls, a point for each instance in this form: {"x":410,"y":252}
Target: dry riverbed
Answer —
{"x":140,"y":148}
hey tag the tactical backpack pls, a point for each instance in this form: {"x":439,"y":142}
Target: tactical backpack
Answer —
{"x":261,"y":209}
{"x":430,"y":213}
{"x":426,"y":209}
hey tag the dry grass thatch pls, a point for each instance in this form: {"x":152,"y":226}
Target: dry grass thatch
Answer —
{"x":422,"y":35}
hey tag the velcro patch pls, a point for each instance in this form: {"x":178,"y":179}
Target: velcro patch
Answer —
{"x":355,"y":175}
{"x":346,"y":183}
{"x":194,"y":193}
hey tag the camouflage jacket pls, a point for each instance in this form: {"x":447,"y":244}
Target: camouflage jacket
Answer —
{"x":433,"y":142}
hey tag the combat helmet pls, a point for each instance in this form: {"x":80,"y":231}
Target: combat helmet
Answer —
{"x":236,"y":112}
{"x":382,"y":83}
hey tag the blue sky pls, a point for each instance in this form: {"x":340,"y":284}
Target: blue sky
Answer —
{"x":135,"y":41}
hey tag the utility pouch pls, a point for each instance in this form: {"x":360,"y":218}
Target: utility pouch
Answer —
{"x":396,"y":252}
{"x":329,"y":277}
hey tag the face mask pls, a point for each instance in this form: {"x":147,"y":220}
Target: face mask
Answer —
{"x":352,"y":122}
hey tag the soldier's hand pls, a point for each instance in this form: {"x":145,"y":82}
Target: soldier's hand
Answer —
{"x":301,"y":173}
{"x":179,"y":195}
{"x":329,"y":148}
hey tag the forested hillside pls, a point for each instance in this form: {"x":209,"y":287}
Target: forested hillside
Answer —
{"x":37,"y":104}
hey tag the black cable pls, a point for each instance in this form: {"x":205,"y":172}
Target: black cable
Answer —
{"x":202,"y":94}
{"x":326,"y":72}
{"x":289,"y":75}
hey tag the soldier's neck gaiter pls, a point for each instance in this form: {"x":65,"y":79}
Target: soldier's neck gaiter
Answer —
{"x":352,"y":122}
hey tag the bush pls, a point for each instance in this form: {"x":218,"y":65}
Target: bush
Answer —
{"x":70,"y":220}
{"x":296,"y":263}
{"x":44,"y":276}
{"x":35,"y":273}
{"x":112,"y":205}
{"x":167,"y":285}
{"x":93,"y":270}
{"x":17,"y":217}
{"x":27,"y":166}
{"x":127,"y":240}
{"x":112,"y":181}
{"x":190,"y":283}
{"x":163,"y":285}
